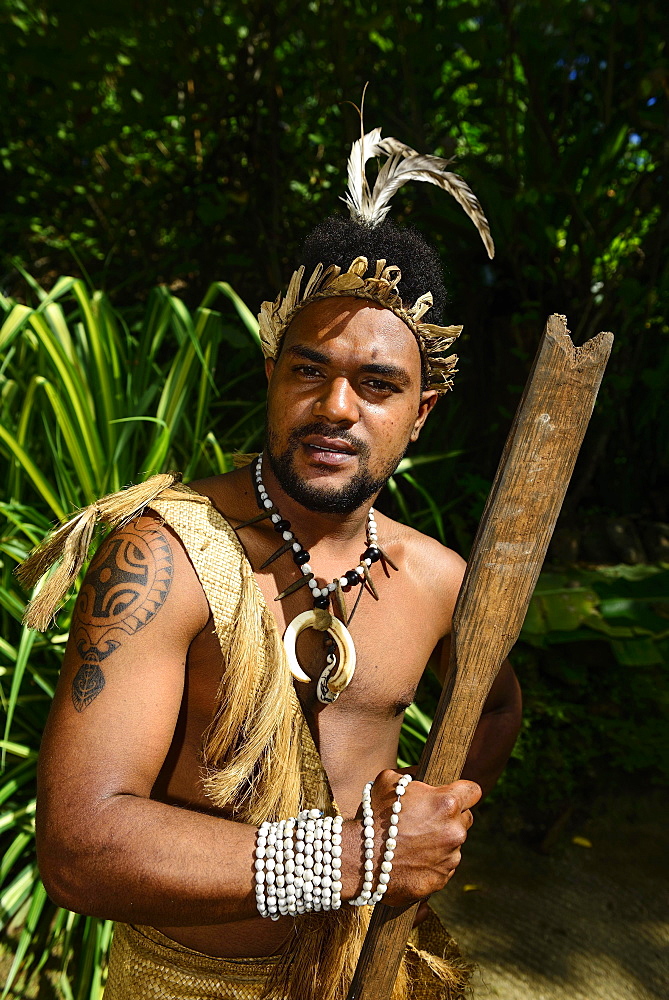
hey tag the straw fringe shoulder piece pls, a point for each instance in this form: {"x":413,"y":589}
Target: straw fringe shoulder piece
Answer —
{"x":259,"y":759}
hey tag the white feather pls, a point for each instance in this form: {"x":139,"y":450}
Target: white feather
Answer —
{"x":404,"y":164}
{"x":362,"y":150}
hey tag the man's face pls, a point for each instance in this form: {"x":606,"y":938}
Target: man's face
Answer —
{"x":344,"y":401}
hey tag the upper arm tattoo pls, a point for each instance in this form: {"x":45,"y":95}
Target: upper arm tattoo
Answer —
{"x":125,"y":588}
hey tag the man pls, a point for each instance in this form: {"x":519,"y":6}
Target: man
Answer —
{"x":129,"y":826}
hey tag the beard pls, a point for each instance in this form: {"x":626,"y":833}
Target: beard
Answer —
{"x":328,"y":499}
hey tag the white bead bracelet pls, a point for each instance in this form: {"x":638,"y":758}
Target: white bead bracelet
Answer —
{"x":391,"y":840}
{"x":366,"y":894}
{"x":368,"y":842}
{"x":298,"y":865}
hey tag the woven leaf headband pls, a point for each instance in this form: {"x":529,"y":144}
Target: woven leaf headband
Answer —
{"x":370,"y":207}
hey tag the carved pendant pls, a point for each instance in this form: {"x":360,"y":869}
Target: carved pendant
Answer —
{"x":323,"y":621}
{"x":323,"y":692}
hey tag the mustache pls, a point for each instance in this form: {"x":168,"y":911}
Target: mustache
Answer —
{"x":329,"y":431}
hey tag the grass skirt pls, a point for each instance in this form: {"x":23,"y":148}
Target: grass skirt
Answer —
{"x":146,"y":965}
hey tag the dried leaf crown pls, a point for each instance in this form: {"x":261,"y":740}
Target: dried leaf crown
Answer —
{"x":433,"y":341}
{"x":369,"y":206}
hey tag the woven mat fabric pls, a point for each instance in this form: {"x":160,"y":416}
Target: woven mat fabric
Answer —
{"x":217,"y":557}
{"x":145,"y":965}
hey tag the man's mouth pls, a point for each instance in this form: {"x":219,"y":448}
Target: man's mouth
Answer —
{"x":328,"y":451}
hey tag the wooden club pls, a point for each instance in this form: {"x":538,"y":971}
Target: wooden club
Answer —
{"x":507,"y":556}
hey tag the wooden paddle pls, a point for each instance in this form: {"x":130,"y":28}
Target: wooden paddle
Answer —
{"x":508,"y":552}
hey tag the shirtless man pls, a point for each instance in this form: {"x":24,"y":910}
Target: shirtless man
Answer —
{"x":125,"y":830}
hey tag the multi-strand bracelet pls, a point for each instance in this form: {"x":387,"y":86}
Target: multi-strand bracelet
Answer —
{"x":298,"y":860}
{"x":298,"y":865}
{"x":366,"y":895}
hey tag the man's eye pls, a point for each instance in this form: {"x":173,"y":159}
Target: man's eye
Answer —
{"x":378,"y":385}
{"x":309,"y":370}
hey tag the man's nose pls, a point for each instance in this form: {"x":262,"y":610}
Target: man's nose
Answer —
{"x":337,"y":402}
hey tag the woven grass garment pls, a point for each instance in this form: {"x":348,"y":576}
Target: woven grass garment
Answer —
{"x":144,"y":964}
{"x":259,"y":763}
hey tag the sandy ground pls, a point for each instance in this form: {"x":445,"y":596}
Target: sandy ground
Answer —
{"x":585,"y":923}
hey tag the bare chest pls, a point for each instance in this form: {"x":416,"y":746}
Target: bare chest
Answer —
{"x":393,"y":636}
{"x":356,"y":736}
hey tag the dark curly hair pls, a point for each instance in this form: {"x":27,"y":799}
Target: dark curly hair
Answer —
{"x":339,"y":240}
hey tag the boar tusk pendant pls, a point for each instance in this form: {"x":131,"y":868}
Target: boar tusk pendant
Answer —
{"x":323,"y":621}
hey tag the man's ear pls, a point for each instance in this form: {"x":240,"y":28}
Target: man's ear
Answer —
{"x":427,"y":402}
{"x":269,"y":367}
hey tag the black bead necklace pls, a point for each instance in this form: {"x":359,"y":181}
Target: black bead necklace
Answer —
{"x":332,"y":591}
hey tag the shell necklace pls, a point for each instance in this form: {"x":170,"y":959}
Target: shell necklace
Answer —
{"x":340,"y":666}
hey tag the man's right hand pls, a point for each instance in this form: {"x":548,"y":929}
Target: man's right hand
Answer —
{"x":433,"y":827}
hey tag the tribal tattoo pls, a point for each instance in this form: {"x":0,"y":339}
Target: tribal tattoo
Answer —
{"x":125,"y":588}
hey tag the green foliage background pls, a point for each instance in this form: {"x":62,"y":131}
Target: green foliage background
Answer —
{"x":166,"y":155}
{"x":196,"y":141}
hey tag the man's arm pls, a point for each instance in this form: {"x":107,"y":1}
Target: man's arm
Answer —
{"x":104,"y":846}
{"x":496,"y":732}
{"x":499,"y":725}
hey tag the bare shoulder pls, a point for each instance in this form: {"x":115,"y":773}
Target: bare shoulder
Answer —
{"x":422,"y":553}
{"x":435,"y":568}
{"x":139,"y":607}
{"x":121,"y":684}
{"x":231,"y":493}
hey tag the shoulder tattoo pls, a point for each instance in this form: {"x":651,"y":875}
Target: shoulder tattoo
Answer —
{"x":125,"y":588}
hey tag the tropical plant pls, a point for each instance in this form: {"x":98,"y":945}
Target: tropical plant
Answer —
{"x":88,"y":403}
{"x":175,"y":142}
{"x":593,"y":660}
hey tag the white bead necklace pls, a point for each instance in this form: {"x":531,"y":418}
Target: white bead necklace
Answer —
{"x":338,"y":673}
{"x":321,"y":596}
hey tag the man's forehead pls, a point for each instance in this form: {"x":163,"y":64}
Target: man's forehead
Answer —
{"x":345,"y":323}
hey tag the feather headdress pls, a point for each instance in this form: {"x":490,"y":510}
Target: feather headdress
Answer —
{"x":404,"y":164}
{"x":369,"y":206}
